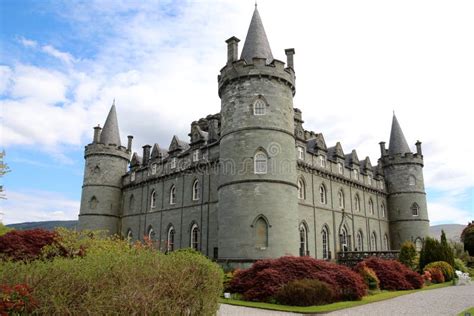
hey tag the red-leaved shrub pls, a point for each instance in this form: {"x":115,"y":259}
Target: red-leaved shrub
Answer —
{"x":305,"y":292}
{"x":261,"y":281}
{"x":25,"y":244}
{"x":393,"y":275}
{"x":16,"y":300}
{"x":436,"y":275}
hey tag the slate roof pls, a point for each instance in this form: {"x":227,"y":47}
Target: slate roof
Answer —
{"x":256,"y":43}
{"x":398,"y":144}
{"x":110,"y":133}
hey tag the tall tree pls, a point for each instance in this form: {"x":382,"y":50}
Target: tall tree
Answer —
{"x":446,"y":250}
{"x":4,"y":169}
{"x":467,"y":237}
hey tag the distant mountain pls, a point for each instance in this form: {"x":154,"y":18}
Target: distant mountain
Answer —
{"x":452,"y":231}
{"x":49,"y":225}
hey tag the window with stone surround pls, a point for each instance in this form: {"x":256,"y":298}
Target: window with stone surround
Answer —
{"x":153,"y":199}
{"x":301,"y":189}
{"x":170,"y":239}
{"x":303,"y":240}
{"x":173,"y":163}
{"x":360,"y":241}
{"x":259,"y":107}
{"x":260,"y":163}
{"x":325,"y":241}
{"x":173,"y":195}
{"x":340,"y":168}
{"x":196,"y":190}
{"x":340,"y":198}
{"x":322,"y":161}
{"x":373,"y":242}
{"x":194,"y":237}
{"x":300,"y":152}
{"x":357,"y":203}
{"x":371,"y":207}
{"x":196,"y":155}
{"x":261,"y":233}
{"x":415,"y":209}
{"x":322,"y":194}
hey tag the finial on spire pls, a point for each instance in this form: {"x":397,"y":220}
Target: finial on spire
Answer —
{"x":255,"y":4}
{"x":113,"y":103}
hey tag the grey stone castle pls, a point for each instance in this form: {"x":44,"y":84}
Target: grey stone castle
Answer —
{"x":252,"y":182}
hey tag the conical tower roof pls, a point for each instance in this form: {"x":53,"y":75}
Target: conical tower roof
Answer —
{"x":110,"y":133}
{"x":256,"y":43}
{"x":398,"y":143}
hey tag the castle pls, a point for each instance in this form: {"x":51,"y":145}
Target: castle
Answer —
{"x":252,"y":182}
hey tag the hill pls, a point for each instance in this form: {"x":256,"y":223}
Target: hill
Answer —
{"x":452,"y":231}
{"x":49,"y":225}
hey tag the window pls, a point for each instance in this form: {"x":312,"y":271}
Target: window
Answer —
{"x":132,"y":176}
{"x":259,"y":107}
{"x":261,"y":233}
{"x":173,"y":163}
{"x":360,"y":241}
{"x":322,"y":194}
{"x":373,"y":242}
{"x":131,"y":203}
{"x":301,"y":189}
{"x":357,"y":203}
{"x":415,"y":209}
{"x":300,"y":152}
{"x":385,"y":242}
{"x":411,"y":180}
{"x":153,"y":199}
{"x":153,"y":168}
{"x":340,"y":198}
{"x":356,"y":174}
{"x":322,"y":161}
{"x":369,"y":180}
{"x":340,"y":168}
{"x":371,"y":207}
{"x":260,"y":163}
{"x":196,"y":155}
{"x":196,"y":190}
{"x":195,"y":237}
{"x":129,"y":234}
{"x":170,"y":239}
{"x":173,"y":195}
{"x":93,"y":203}
{"x":418,"y":244}
{"x":325,"y":240}
{"x":303,"y":240}
{"x":382,"y":209}
{"x":151,"y":234}
{"x":344,"y":240}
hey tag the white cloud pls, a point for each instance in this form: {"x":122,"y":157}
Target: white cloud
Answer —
{"x":38,"y":206}
{"x":28,"y":42}
{"x":62,"y":56}
{"x":5,"y":78}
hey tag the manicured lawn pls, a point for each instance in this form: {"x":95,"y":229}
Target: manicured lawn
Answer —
{"x":331,"y":307}
{"x":469,"y":311}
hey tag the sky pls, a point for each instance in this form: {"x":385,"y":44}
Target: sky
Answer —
{"x":62,"y":63}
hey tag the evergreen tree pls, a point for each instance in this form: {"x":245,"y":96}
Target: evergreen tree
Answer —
{"x":408,"y":255}
{"x":430,"y":252}
{"x":446,"y":250}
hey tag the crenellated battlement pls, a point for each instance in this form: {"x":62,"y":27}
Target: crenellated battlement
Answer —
{"x":403,"y":159}
{"x":109,"y":150}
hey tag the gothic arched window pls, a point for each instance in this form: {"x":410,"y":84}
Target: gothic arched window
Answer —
{"x":340,"y":198}
{"x":360,"y":241}
{"x":322,"y":194}
{"x":261,"y":233}
{"x":259,"y":107}
{"x":373,"y":242}
{"x":131,"y":204}
{"x":153,"y":199}
{"x":151,"y":233}
{"x":195,"y":237}
{"x":260,"y":164}
{"x":357,"y":203}
{"x":303,"y":240}
{"x":196,"y":191}
{"x":371,"y":207}
{"x":325,"y":240}
{"x":411,"y":180}
{"x":385,"y":242}
{"x":415,"y":209}
{"x":382,"y":209}
{"x":301,"y":189}
{"x":173,"y":195}
{"x":129,"y":234}
{"x":344,"y":239}
{"x":170,"y":239}
{"x":93,"y":203}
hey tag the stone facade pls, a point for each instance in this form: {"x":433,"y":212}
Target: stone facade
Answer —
{"x":252,"y":182}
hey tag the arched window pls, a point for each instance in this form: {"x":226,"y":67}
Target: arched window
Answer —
{"x":196,"y":191}
{"x":93,"y":203}
{"x":322,"y":194}
{"x":382,"y":209}
{"x":129,"y":234}
{"x":261,"y":233}
{"x":344,"y":239}
{"x":153,"y":199}
{"x":340,"y":198}
{"x":259,"y":107}
{"x":170,"y":239}
{"x":260,"y":163}
{"x":418,"y":244}
{"x":151,"y":233}
{"x":131,"y":203}
{"x":195,"y":237}
{"x":373,"y":242}
{"x":360,"y":241}
{"x":385,"y":242}
{"x":301,"y":189}
{"x":303,"y":240}
{"x":371,"y":207}
{"x":173,"y":195}
{"x":325,"y":240}
{"x":357,"y":203}
{"x":411,"y":180}
{"x":415,"y":209}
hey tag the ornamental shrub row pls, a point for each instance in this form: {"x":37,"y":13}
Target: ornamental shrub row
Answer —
{"x":444,"y":267}
{"x":305,"y":292}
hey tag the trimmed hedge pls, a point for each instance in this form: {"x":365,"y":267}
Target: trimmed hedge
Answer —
{"x":393,"y":275}
{"x":446,"y":269}
{"x":265,"y":278}
{"x":305,"y":292}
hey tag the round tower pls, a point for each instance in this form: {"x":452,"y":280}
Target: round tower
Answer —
{"x":106,"y":163}
{"x":257,"y":186}
{"x":407,"y":207}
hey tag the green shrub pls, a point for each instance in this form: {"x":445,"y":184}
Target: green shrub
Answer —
{"x":445,"y":268}
{"x":460,"y":265}
{"x":305,"y":292}
{"x":369,"y":276}
{"x":408,"y":255}
{"x":446,"y":250}
{"x":114,"y":277}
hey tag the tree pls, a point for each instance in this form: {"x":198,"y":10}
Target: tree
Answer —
{"x":4,"y":169}
{"x":408,"y":255}
{"x":467,"y":237}
{"x":430,"y":252}
{"x":446,"y":250}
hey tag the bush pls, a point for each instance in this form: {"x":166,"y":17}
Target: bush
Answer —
{"x":460,"y":265}
{"x":408,"y":255}
{"x":114,"y":277}
{"x":25,"y":244}
{"x":434,"y":250}
{"x":16,"y":300}
{"x":467,"y":237}
{"x":426,"y":276}
{"x":393,"y":275}
{"x":436,"y":275}
{"x":305,"y":292}
{"x":445,"y":268}
{"x":369,"y":276}
{"x":265,"y":278}
{"x":446,"y":250}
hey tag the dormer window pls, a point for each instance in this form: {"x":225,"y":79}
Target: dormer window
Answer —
{"x":322,"y":161}
{"x":153,"y":168}
{"x":173,"y":163}
{"x":340,"y":168}
{"x":196,"y":155}
{"x":259,"y":107}
{"x":300,"y":152}
{"x":356,"y":174}
{"x":132,"y":176}
{"x":369,"y":179}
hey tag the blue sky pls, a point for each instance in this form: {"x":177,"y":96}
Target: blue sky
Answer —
{"x":63,"y":62}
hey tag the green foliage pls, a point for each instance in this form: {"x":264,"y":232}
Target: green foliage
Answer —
{"x":408,"y":255}
{"x":460,"y":265}
{"x":434,"y":250}
{"x":446,"y":250}
{"x":467,"y":237}
{"x":459,"y":252}
{"x":436,"y":274}
{"x":114,"y":277}
{"x":446,"y":269}
{"x":305,"y":292}
{"x":369,"y":276}
{"x":4,"y":229}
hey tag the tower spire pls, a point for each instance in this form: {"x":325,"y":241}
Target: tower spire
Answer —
{"x":110,"y":133}
{"x":256,"y":43}
{"x":398,"y":143}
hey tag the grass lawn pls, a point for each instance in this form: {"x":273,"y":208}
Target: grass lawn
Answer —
{"x":331,"y":307}
{"x":469,"y":311}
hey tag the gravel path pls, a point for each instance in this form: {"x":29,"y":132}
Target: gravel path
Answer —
{"x":445,"y":301}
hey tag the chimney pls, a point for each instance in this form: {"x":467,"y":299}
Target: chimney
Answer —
{"x":418,"y":148}
{"x":289,"y":58}
{"x":213,"y":135}
{"x":97,"y":131}
{"x":129,"y":145}
{"x":146,"y":154}
{"x":383,"y":151}
{"x":232,"y":49}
